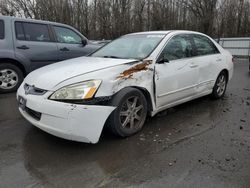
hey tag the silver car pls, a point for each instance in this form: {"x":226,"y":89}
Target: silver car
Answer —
{"x":26,"y":45}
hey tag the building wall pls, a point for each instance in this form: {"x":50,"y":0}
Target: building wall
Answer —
{"x":237,"y":46}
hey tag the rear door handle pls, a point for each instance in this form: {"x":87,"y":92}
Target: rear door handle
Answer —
{"x":192,"y":65}
{"x":23,"y":47}
{"x":218,"y":59}
{"x":64,"y":49}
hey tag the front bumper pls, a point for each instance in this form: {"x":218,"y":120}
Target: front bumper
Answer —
{"x":83,"y":123}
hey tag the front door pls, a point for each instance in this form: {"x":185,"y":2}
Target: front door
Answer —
{"x":69,"y":43}
{"x":176,"y":78}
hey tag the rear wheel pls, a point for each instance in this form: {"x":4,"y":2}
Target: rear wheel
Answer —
{"x":130,"y":115}
{"x":11,"y":77}
{"x":220,"y":86}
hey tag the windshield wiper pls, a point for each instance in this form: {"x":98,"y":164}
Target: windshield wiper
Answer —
{"x":111,"y":56}
{"x":115,"y":57}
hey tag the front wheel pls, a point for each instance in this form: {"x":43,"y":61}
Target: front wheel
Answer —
{"x":130,"y":115}
{"x":220,"y":86}
{"x":11,"y":77}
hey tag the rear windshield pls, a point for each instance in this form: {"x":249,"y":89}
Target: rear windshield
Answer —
{"x":1,"y":29}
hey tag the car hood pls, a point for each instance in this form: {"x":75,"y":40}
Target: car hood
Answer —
{"x":50,"y":76}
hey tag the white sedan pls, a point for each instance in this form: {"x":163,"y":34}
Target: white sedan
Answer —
{"x":119,"y":85}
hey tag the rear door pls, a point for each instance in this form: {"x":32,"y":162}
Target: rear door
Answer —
{"x":208,"y":58}
{"x":34,"y":44}
{"x":69,"y":42}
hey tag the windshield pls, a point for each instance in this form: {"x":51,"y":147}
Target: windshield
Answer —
{"x":137,"y":46}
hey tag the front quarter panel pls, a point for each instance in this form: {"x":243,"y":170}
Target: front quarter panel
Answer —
{"x":135,"y":74}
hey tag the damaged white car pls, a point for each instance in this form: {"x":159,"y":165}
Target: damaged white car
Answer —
{"x":119,"y":85}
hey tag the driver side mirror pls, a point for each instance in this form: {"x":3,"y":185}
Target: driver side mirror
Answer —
{"x":84,"y":42}
{"x":162,"y":60}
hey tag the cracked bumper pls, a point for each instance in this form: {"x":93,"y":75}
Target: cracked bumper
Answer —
{"x":83,"y":123}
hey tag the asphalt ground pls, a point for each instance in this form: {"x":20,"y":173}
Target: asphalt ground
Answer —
{"x":203,"y":143}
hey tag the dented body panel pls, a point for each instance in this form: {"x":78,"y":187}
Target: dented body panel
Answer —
{"x":168,"y":84}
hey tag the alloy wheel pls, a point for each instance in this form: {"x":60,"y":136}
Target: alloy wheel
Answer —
{"x":131,"y":113}
{"x":8,"y":79}
{"x":221,"y":85}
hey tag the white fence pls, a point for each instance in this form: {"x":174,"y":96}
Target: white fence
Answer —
{"x":237,"y":46}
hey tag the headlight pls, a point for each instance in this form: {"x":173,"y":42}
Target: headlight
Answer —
{"x":83,"y":90}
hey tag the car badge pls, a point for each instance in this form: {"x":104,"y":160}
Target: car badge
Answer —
{"x":28,"y":89}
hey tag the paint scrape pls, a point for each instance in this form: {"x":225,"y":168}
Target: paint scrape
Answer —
{"x":137,"y":68}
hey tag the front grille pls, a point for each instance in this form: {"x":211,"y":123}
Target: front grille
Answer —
{"x":32,"y":90}
{"x":36,"y":115}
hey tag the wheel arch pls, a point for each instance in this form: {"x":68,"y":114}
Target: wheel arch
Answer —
{"x":16,"y":63}
{"x":147,"y":95}
{"x":144,"y":91}
{"x":111,"y":122}
{"x":226,"y":72}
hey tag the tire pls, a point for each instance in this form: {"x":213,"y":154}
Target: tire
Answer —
{"x":220,"y":86}
{"x":11,"y":77}
{"x":131,"y":112}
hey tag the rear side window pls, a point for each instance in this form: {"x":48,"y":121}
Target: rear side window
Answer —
{"x":19,"y":31}
{"x":32,"y":32}
{"x":1,"y":29}
{"x":204,"y":46}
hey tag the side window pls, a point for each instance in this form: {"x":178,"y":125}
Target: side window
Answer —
{"x":19,"y":31}
{"x":1,"y":29}
{"x":178,"y":47}
{"x":32,"y":32}
{"x":204,"y":46}
{"x":65,"y":35}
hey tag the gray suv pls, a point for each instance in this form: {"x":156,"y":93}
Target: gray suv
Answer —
{"x":27,"y":44}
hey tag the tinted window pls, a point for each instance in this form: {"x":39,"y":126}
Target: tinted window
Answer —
{"x":19,"y":31}
{"x":65,"y":35}
{"x":32,"y":32}
{"x":178,"y":47}
{"x":1,"y":29}
{"x":204,"y":45}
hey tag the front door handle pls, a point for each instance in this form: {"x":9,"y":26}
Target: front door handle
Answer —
{"x":23,"y":47}
{"x":64,"y":49}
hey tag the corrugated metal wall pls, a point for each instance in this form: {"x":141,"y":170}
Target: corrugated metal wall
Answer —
{"x":237,"y":46}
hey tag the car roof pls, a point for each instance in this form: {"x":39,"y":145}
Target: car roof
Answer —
{"x":164,"y":32}
{"x":152,"y":32}
{"x":31,"y":20}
